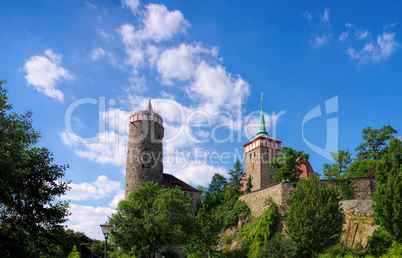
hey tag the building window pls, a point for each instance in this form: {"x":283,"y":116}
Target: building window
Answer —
{"x":185,"y":194}
{"x":191,"y":194}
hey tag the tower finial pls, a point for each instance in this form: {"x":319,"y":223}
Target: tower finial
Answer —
{"x":261,"y":95}
{"x":149,"y":107}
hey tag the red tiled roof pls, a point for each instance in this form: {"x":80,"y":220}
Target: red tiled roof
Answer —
{"x":171,"y":181}
{"x":242,"y":183}
{"x":307,"y":170}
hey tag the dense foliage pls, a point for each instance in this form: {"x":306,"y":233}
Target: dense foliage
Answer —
{"x":152,"y":219}
{"x":30,"y":218}
{"x":388,"y":194}
{"x":288,"y":164}
{"x":264,"y":228}
{"x":315,"y":219}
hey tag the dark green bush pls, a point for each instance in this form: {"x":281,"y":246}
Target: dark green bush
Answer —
{"x":232,"y":216}
{"x":275,"y":248}
{"x":379,"y":242}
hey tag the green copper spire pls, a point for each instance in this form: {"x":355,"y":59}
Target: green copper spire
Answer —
{"x":261,"y":129}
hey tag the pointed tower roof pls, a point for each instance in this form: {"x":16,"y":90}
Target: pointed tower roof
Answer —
{"x":262,"y":130}
{"x":149,"y":107}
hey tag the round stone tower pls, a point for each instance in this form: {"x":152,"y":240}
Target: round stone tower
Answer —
{"x":144,"y":149}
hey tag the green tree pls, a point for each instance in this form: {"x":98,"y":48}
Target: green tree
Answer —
{"x":214,"y":195}
{"x":74,"y":253}
{"x":235,"y":175}
{"x":314,"y":221}
{"x":375,"y":145}
{"x":388,"y":194}
{"x":151,"y":219}
{"x":338,"y":172}
{"x":204,"y":239}
{"x":288,"y":164}
{"x":342,"y":161}
{"x":30,"y":218}
{"x":249,"y":184}
{"x":83,"y":243}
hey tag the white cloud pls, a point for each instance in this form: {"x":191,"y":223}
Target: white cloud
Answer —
{"x":362,"y":34}
{"x":104,"y":34}
{"x":102,"y":187}
{"x":343,"y":36}
{"x":116,"y":199}
{"x":87,"y":219}
{"x":320,"y":41}
{"x":348,"y":25}
{"x":162,"y":24}
{"x":44,"y":71}
{"x":179,"y":63}
{"x":92,"y":6}
{"x":381,"y":50}
{"x":390,"y":25}
{"x":131,"y":4}
{"x":325,"y":17}
{"x":105,"y":148}
{"x":97,"y":53}
{"x":158,"y":24}
{"x":308,"y":16}
{"x":215,"y":88}
{"x":195,"y":172}
{"x":166,"y":95}
{"x":111,"y":148}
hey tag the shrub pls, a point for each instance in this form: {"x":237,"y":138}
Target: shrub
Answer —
{"x":379,"y":242}
{"x":232,"y":216}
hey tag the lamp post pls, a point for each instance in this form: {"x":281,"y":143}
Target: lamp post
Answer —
{"x":106,"y":228}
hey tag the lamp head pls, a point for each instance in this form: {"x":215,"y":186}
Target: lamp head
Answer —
{"x":106,"y":228}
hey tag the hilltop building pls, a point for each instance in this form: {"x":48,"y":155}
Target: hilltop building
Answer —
{"x":258,"y":152}
{"x":145,"y":155}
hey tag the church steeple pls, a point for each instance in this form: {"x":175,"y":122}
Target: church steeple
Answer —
{"x":262,"y":130}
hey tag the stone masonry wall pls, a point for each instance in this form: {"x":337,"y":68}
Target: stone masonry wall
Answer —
{"x":255,"y":200}
{"x":257,"y":165}
{"x":144,"y":155}
{"x":281,"y":192}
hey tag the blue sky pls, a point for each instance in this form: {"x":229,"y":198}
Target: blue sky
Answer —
{"x":327,"y":70}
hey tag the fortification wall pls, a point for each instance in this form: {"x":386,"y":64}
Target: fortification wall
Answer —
{"x":255,"y":200}
{"x":281,"y":192}
{"x":358,"y":212}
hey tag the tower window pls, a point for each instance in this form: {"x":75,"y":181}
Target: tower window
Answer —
{"x":191,"y":194}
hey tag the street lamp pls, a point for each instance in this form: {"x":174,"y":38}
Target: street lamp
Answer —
{"x":106,"y":231}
